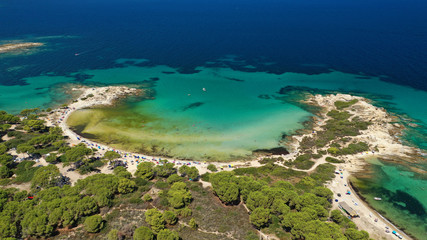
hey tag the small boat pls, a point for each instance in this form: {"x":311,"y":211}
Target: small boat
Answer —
{"x":204,"y":89}
{"x":377,"y":198}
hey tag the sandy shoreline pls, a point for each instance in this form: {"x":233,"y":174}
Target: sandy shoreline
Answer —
{"x":380,"y":134}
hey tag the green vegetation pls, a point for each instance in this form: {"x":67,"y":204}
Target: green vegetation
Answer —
{"x":323,"y":173}
{"x":260,"y":217}
{"x":179,"y":196}
{"x":225,"y":187}
{"x":145,"y":170}
{"x":93,"y":224}
{"x":55,"y":207}
{"x":147,"y":198}
{"x":269,"y":172}
{"x":190,"y":172}
{"x":24,"y":171}
{"x":333,"y":160}
{"x":342,"y":128}
{"x":212,"y":168}
{"x":292,"y":206}
{"x":303,"y":161}
{"x":342,"y":220}
{"x":354,"y":234}
{"x":113,"y":234}
{"x":121,"y":172}
{"x":76,"y":153}
{"x":338,"y":115}
{"x":352,"y":148}
{"x":335,"y":138}
{"x":46,"y":177}
{"x":164,"y":202}
{"x":111,"y":155}
{"x":170,"y":217}
{"x":29,"y":112}
{"x":167,"y":234}
{"x":174,"y":178}
{"x":165,"y":169}
{"x":156,"y":220}
{"x":143,"y":233}
{"x":192,"y":223}
{"x":126,"y":186}
{"x":342,"y":104}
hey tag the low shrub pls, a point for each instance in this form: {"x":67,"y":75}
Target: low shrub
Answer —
{"x":304,"y":165}
{"x":161,"y":185}
{"x":212,"y":168}
{"x":267,"y":160}
{"x":323,"y":172}
{"x":25,"y":171}
{"x":342,"y":104}
{"x":333,"y":160}
{"x":205,"y":177}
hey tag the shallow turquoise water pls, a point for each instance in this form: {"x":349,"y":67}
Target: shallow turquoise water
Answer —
{"x":403,"y":195}
{"x":39,"y":92}
{"x":227,"y":120}
{"x":239,"y":112}
{"x":274,"y":36}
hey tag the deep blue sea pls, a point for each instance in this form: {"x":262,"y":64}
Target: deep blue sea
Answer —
{"x":243,"y":52}
{"x":385,"y":38}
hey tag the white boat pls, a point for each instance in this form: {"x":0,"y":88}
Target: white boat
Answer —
{"x":378,"y":198}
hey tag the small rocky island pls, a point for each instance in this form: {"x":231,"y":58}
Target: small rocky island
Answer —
{"x":18,"y":46}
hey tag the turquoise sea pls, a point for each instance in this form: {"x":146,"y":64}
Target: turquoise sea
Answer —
{"x":221,"y":74}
